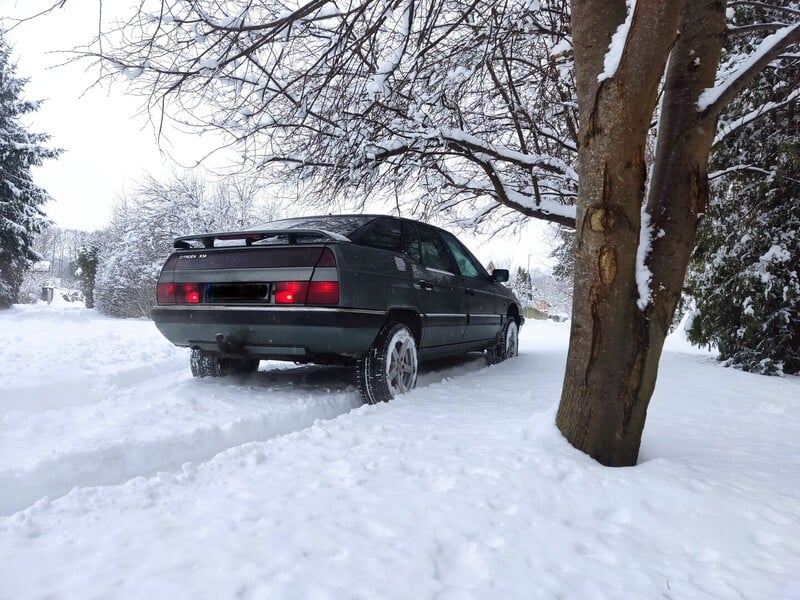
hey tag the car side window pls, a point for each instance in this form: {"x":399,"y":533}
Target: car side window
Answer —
{"x":381,"y":233}
{"x":410,"y":242}
{"x":465,"y":262}
{"x":434,"y":252}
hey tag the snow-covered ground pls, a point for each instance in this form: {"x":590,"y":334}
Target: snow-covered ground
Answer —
{"x":122,"y":477}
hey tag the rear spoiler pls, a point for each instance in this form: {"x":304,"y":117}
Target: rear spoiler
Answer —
{"x":207,"y":240}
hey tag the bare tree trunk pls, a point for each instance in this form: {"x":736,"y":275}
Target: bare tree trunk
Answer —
{"x":615,"y":344}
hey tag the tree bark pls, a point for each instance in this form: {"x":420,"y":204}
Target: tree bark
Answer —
{"x":615,"y":345}
{"x":678,"y":194}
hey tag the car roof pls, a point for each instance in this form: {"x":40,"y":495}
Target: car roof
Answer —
{"x":359,"y":220}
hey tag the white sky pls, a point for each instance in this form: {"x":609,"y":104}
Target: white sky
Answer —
{"x":109,"y":145}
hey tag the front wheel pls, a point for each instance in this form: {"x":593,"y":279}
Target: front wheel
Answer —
{"x":507,"y":344}
{"x":389,"y":368}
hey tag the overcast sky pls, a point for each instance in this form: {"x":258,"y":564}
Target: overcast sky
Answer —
{"x":109,"y":146}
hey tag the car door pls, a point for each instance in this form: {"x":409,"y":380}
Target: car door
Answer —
{"x":441,"y":299}
{"x":483,"y":314}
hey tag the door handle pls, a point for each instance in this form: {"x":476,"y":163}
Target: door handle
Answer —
{"x":425,"y":285}
{"x":469,"y":292}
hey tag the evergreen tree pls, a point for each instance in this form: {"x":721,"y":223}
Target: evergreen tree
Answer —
{"x":87,"y":271}
{"x":745,"y":276}
{"x":564,"y":253}
{"x":746,"y":281}
{"x":522,"y":287}
{"x":21,"y":215}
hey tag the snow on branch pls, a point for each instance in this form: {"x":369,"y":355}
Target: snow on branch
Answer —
{"x":738,"y":169}
{"x":726,"y":129}
{"x":765,"y":6}
{"x":547,"y":163}
{"x":443,"y":99}
{"x":713,"y":100}
{"x":547,"y":210}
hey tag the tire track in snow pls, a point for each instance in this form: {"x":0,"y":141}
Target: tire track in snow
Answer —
{"x":267,"y":405}
{"x":265,"y":411}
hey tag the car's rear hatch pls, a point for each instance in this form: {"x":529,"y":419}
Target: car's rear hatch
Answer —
{"x":273,"y":267}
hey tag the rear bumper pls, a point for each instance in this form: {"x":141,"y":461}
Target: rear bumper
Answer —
{"x":269,"y":331}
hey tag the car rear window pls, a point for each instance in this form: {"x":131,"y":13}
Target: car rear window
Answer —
{"x":342,"y":225}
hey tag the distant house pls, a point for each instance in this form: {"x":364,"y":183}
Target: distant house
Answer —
{"x":43,"y":266}
{"x":542,"y":305}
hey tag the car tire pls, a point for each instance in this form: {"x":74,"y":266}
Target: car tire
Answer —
{"x":507,"y":345}
{"x":205,"y":364}
{"x":389,"y":368}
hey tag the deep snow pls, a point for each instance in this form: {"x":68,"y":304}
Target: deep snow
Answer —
{"x":122,"y":477}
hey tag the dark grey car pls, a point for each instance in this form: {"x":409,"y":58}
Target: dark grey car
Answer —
{"x":374,"y":291}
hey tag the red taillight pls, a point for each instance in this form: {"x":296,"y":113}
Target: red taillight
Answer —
{"x":191,"y":293}
{"x":301,"y":292}
{"x":291,"y":292}
{"x":323,"y":292}
{"x":165,"y":293}
{"x":178,"y":293}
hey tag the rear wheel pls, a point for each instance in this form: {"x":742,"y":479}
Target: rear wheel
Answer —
{"x":389,"y":368}
{"x":507,"y":344}
{"x":205,"y":364}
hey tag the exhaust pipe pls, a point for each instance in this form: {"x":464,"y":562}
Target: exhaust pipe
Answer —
{"x":227,"y":346}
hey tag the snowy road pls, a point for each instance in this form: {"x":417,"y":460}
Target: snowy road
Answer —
{"x":121,"y":476}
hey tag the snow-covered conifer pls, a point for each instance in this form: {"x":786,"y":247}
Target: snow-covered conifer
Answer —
{"x":21,"y":215}
{"x":86,"y":263}
{"x":746,"y":282}
{"x":745,"y":277}
{"x":521,"y":286}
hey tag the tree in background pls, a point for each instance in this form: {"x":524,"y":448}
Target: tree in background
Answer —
{"x":522,"y":287}
{"x":86,"y":271}
{"x":745,"y":281}
{"x":746,"y":285}
{"x":21,"y":216}
{"x":553,"y":289}
{"x":564,"y":253}
{"x":133,"y":248}
{"x":541,"y":292}
{"x":57,"y":249}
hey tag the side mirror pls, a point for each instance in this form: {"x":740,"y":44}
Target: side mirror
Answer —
{"x":500,"y":275}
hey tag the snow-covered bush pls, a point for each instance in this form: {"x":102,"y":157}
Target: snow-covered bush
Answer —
{"x":745,"y":279}
{"x":130,"y":260}
{"x":133,"y":248}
